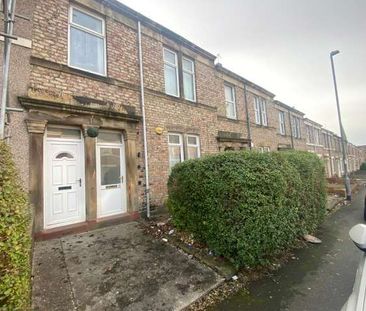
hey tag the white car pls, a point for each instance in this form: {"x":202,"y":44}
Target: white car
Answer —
{"x":357,"y":300}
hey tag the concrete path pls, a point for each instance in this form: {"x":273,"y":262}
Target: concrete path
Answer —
{"x":116,"y":268}
{"x":322,"y":277}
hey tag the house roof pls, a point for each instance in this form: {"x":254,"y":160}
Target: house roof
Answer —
{"x":228,"y":72}
{"x":277,"y":102}
{"x":313,"y":122}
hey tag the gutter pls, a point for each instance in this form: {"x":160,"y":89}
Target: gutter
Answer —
{"x":142,"y":89}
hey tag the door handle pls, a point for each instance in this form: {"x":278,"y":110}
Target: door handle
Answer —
{"x":79,"y":182}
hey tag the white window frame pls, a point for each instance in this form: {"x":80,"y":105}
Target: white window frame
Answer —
{"x":296,"y":132}
{"x":180,"y":145}
{"x":198,"y":145}
{"x":281,"y":117}
{"x":229,"y":102}
{"x":257,"y":111}
{"x":264,"y":112}
{"x":193,"y":74}
{"x":176,"y":66}
{"x":260,"y":109}
{"x":95,"y":33}
{"x":317,"y":137}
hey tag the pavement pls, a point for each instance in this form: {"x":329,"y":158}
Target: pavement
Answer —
{"x":320,"y":278}
{"x":116,"y":268}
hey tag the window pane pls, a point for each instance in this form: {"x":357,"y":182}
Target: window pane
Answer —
{"x":169,"y":57}
{"x":171,"y":86}
{"x":257,"y":112}
{"x":64,"y":155}
{"x":109,"y":137}
{"x":174,"y":139}
{"x":192,"y":140}
{"x":187,"y":65}
{"x":193,"y":152}
{"x":188,"y":85}
{"x":230,"y":110}
{"x":229,"y":96}
{"x":86,"y":51}
{"x":175,"y":155}
{"x":263,"y":111}
{"x":110,"y":166}
{"x":55,"y":132}
{"x":87,"y":21}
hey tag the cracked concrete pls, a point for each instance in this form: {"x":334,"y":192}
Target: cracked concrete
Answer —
{"x":116,"y":268}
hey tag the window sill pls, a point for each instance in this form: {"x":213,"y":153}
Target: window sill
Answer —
{"x":70,"y":70}
{"x":102,"y":75}
{"x":225,"y":118}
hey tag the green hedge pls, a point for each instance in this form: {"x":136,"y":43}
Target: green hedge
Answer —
{"x":248,"y":206}
{"x":363,"y":166}
{"x":313,"y":190}
{"x":15,"y":239}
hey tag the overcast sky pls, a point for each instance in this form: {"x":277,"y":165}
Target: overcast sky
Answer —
{"x":282,"y":45}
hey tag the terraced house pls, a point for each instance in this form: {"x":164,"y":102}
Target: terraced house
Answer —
{"x":112,"y":101}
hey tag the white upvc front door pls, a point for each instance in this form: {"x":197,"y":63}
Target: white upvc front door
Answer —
{"x":64,"y":188}
{"x":111,"y":179}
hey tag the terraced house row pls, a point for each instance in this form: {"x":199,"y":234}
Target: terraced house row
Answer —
{"x":110,"y":97}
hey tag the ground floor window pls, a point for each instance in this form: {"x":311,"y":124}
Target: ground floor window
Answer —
{"x":181,"y":149}
{"x":193,"y":147}
{"x":176,"y":152}
{"x":264,"y":149}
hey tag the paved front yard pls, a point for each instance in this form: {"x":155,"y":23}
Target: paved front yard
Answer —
{"x":116,"y":268}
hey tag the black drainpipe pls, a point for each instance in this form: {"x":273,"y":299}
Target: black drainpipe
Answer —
{"x":247,"y":117}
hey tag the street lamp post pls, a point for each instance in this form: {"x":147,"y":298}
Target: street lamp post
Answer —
{"x":346,"y":177}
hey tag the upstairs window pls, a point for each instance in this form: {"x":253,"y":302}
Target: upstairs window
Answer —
{"x":317,"y":137}
{"x":281,"y":119}
{"x":189,"y":87}
{"x":87,"y":42}
{"x":309,"y":134}
{"x":230,"y":102}
{"x":260,"y":111}
{"x":296,"y":133}
{"x":171,"y":73}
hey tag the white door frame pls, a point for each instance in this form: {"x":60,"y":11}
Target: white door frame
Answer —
{"x":121,"y":147}
{"x":80,"y":142}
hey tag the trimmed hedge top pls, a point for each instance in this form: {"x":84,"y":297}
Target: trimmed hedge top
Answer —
{"x":15,"y":239}
{"x":248,"y":206}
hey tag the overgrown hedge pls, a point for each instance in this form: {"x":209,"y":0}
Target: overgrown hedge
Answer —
{"x":363,"y":166}
{"x":248,"y":206}
{"x":14,"y":237}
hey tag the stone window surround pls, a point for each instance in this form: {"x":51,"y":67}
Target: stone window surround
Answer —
{"x":40,"y":114}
